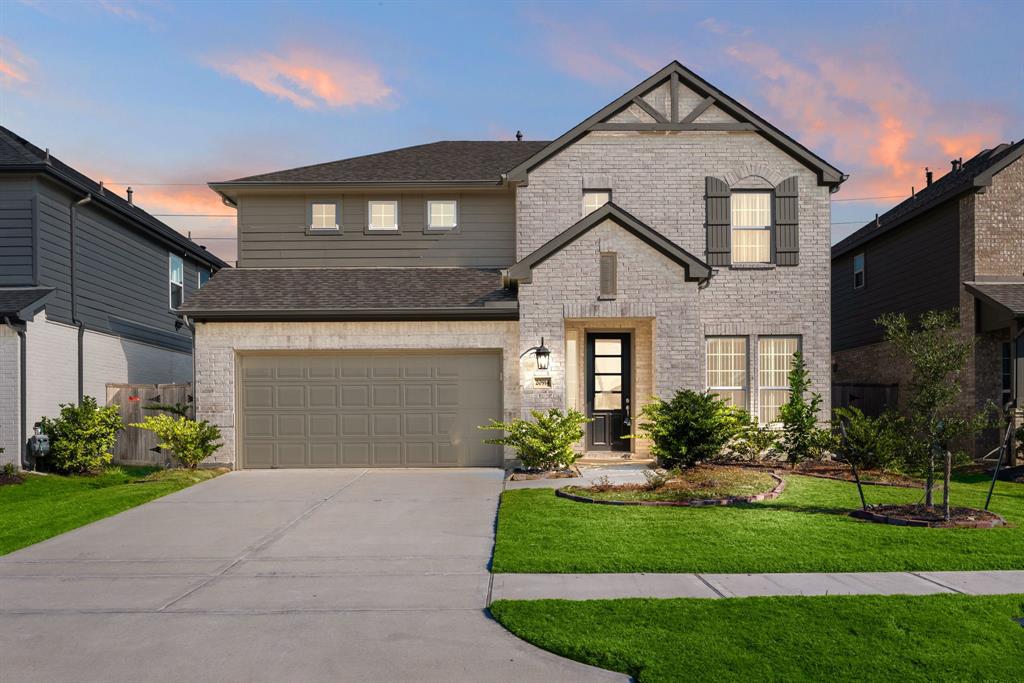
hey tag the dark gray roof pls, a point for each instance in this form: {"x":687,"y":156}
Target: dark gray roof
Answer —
{"x":22,"y":303}
{"x":1008,"y":295}
{"x":352,"y":294}
{"x":695,"y":268}
{"x":975,"y":172}
{"x":449,"y":161}
{"x":18,"y":154}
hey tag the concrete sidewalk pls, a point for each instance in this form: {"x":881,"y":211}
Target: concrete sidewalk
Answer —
{"x":610,"y":586}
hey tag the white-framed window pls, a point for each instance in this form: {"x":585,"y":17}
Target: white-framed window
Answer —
{"x":176,"y":280}
{"x":203,"y":276}
{"x":383,"y":215}
{"x":727,"y":369}
{"x":323,"y":216}
{"x":442,"y":214}
{"x":858,"y":271}
{"x":751,"y":227}
{"x":774,"y":361}
{"x":594,"y":200}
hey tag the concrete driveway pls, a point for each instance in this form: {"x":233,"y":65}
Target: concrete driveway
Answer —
{"x":323,"y":575}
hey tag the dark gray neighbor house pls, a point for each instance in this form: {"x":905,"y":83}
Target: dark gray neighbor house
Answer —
{"x":386,"y":305}
{"x":959,"y":242}
{"x":89,"y":284}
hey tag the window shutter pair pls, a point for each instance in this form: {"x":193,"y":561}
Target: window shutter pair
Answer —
{"x":719,"y":222}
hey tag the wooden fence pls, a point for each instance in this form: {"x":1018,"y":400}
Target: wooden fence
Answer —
{"x":872,"y":399}
{"x":136,"y":446}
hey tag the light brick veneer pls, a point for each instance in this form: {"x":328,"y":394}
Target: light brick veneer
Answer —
{"x":10,"y":406}
{"x":219,"y":344}
{"x":659,"y":178}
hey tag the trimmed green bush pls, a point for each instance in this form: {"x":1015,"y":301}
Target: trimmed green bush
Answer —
{"x":690,"y":427}
{"x":82,"y":435}
{"x":546,"y":442}
{"x":802,"y":439}
{"x":191,"y":441}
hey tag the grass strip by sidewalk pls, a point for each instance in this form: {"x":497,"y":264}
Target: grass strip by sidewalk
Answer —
{"x":805,"y":530}
{"x":838,"y":638}
{"x":45,"y":506}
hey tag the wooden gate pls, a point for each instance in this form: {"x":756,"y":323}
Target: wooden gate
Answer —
{"x":138,"y":446}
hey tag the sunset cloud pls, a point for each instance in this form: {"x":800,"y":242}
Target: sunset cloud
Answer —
{"x":14,"y":65}
{"x":308,"y":79}
{"x":865,"y":114}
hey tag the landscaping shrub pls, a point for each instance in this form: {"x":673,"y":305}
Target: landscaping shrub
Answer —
{"x":802,"y":439}
{"x":865,"y":442}
{"x":546,"y":442}
{"x":82,"y":436}
{"x":191,"y":441}
{"x":754,"y":442}
{"x":689,"y":428}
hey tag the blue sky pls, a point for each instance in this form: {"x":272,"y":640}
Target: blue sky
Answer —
{"x":168,"y":95}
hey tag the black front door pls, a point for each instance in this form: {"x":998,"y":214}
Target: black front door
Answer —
{"x":608,"y":395}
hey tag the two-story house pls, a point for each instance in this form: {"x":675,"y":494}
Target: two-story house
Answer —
{"x":957,"y":243}
{"x":385,"y":306}
{"x":89,"y":284}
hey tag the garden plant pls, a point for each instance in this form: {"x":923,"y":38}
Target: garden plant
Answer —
{"x":689,"y":428}
{"x":82,"y":436}
{"x":191,"y":441}
{"x":544,"y":443}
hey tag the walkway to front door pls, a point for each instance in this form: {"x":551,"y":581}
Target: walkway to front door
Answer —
{"x":609,"y":377}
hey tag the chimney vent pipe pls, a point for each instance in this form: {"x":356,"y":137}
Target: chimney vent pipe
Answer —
{"x":927,"y":176}
{"x":130,"y":192}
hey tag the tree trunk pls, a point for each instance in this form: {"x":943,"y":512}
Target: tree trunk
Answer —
{"x":929,"y":482}
{"x":947,"y":476}
{"x":860,"y":489}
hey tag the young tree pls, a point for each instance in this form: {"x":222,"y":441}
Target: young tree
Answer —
{"x":937,"y":354}
{"x":802,"y":439}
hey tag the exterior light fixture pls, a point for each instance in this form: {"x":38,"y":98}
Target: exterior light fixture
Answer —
{"x":543,"y":355}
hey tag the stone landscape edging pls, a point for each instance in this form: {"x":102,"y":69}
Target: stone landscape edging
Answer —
{"x":780,"y":486}
{"x":879,"y":518}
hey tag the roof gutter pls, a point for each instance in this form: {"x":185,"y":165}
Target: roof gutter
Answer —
{"x":508,"y":312}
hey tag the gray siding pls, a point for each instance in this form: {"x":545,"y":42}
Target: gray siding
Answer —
{"x":272,"y":232}
{"x":911,"y":270}
{"x":16,"y":209}
{"x":122,"y":283}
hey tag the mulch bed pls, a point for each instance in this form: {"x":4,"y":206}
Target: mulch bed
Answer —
{"x":775,"y":492}
{"x":1014,"y":474}
{"x":11,"y":479}
{"x":921,"y":516}
{"x":527,"y":475}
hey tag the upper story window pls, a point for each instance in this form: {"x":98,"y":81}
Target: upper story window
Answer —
{"x":442,"y":214}
{"x":858,"y":271}
{"x":751,"y":226}
{"x":594,"y":200}
{"x":204,"y":276}
{"x":383,"y":215}
{"x":323,"y":216}
{"x":176,"y":279}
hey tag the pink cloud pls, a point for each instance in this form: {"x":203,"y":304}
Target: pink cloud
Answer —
{"x":309,"y":79}
{"x":865,"y":114}
{"x":14,"y":65}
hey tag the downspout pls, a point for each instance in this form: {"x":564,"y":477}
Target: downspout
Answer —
{"x":74,"y":299}
{"x":23,"y":387}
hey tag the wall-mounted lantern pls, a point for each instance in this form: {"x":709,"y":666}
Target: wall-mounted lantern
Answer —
{"x":542,"y":354}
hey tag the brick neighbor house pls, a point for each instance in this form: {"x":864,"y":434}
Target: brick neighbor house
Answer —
{"x":385,"y":306}
{"x":959,"y":242}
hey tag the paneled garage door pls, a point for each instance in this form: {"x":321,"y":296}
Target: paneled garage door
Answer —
{"x":369,"y":409}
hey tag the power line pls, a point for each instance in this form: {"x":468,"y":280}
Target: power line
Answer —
{"x":194,"y":215}
{"x":863,"y":199}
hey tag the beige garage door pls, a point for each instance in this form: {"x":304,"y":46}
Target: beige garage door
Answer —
{"x":372,"y":409}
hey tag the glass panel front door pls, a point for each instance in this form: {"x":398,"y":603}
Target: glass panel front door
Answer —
{"x":608,"y":398}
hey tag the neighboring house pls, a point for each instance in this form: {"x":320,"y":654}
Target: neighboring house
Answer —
{"x":88,"y":287}
{"x":959,"y":242}
{"x":386,"y":305}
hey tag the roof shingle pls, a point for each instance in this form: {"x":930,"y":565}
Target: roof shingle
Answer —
{"x":349,"y":292}
{"x":446,"y":161}
{"x":19,"y":302}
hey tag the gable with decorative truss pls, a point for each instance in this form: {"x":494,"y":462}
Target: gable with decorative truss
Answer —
{"x":676,"y":99}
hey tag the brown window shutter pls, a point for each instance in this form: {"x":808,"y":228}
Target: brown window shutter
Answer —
{"x":787,"y":222}
{"x":719,"y":222}
{"x":609,"y":274}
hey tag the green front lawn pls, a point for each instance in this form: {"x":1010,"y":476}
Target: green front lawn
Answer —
{"x":44,"y":506}
{"x":804,"y":530}
{"x":848,"y":638}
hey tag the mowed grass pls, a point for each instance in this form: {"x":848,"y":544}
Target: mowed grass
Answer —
{"x":804,"y":530}
{"x":44,"y":506}
{"x":839,"y":638}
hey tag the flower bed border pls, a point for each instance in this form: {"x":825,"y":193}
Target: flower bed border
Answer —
{"x":831,"y":477}
{"x":878,"y":518}
{"x":780,"y":486}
